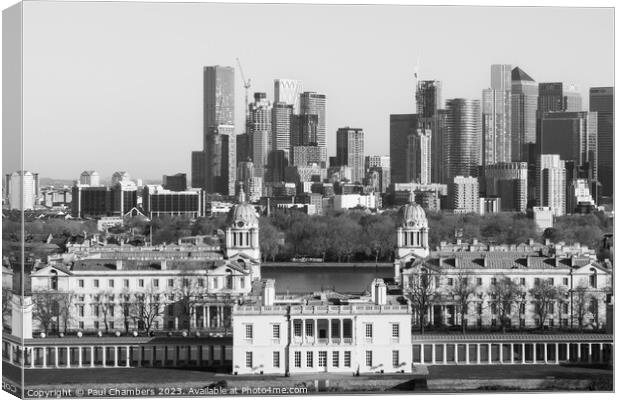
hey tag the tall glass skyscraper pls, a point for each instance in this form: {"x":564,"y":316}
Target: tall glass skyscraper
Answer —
{"x":602,"y":102}
{"x":287,"y":91}
{"x":312,"y":103}
{"x":557,"y":96}
{"x":260,"y":132}
{"x":524,"y":106}
{"x":431,"y":119}
{"x":496,"y":117}
{"x":428,"y":98}
{"x":463,"y":138}
{"x":219,"y":96}
{"x":401,"y":126}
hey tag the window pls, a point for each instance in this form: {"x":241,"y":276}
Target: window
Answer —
{"x":171,"y":310}
{"x":479,"y":281}
{"x":242,"y":282}
{"x":248,"y":359}
{"x":335,"y":359}
{"x":465,"y":281}
{"x":368,"y":358}
{"x":297,"y":328}
{"x":309,"y":329}
{"x":111,"y":324}
{"x":551,"y":323}
{"x":276,"y":331}
{"x":155,"y":282}
{"x":298,"y":359}
{"x":309,"y":359}
{"x":141,"y":282}
{"x":96,"y":310}
{"x":565,"y":308}
{"x":322,"y":358}
{"x":170,"y":282}
{"x":368,"y":330}
{"x":201,"y":282}
{"x":347,"y":358}
{"x":229,"y":282}
{"x":81,"y":310}
{"x":437,"y":282}
{"x":185,"y":282}
{"x":536,"y":281}
{"x":550,"y":281}
{"x":522,"y":281}
{"x":395,"y":362}
{"x":170,"y":324}
{"x":479,"y":307}
{"x":96,"y":283}
{"x":81,"y":283}
{"x":593,"y":278}
{"x":395,"y":330}
{"x":81,"y":324}
{"x":126,"y":283}
{"x":551,"y":308}
{"x":249,"y":331}
{"x":81,"y":297}
{"x":493,"y":281}
{"x":450,"y":282}
{"x":96,"y":324}
{"x":214,"y":283}
{"x":276,"y":359}
{"x":111,"y":283}
{"x":111,"y":306}
{"x":493,"y":308}
{"x":565,"y":281}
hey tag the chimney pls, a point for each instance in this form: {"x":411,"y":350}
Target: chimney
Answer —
{"x":485,"y":263}
{"x":456,"y":262}
{"x":547,"y":242}
{"x":269,"y":292}
{"x":530,"y":242}
{"x":164,"y":265}
{"x":380,"y":290}
{"x":557,"y":261}
{"x":527,"y":261}
{"x":119,"y":265}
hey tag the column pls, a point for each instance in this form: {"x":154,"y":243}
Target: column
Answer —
{"x":153,"y":350}
{"x":545,"y":351}
{"x":489,"y":352}
{"x":432,"y":353}
{"x":456,"y":353}
{"x":68,"y":357}
{"x":175,"y":355}
{"x":466,"y":353}
{"x":315,"y":329}
{"x":341,"y":330}
{"x":534,"y":353}
{"x":33,"y":352}
{"x":11,"y":353}
{"x":329,"y":330}
{"x":557,"y":353}
{"x":92,"y":356}
{"x":601,"y":352}
{"x":80,"y":349}
{"x":127,"y":356}
{"x":56,"y":356}
{"x":208,"y":317}
{"x":115,"y":356}
{"x":578,"y":352}
{"x":567,"y":351}
{"x":501,"y":353}
{"x":512,"y":353}
{"x":589,"y":353}
{"x":204,"y":317}
{"x":522,"y":353}
{"x":477,"y":353}
{"x":220,"y":315}
{"x":422,"y":353}
{"x":104,"y":350}
{"x":140,"y":350}
{"x":445,"y":353}
{"x":44,"y":364}
{"x":193,"y":320}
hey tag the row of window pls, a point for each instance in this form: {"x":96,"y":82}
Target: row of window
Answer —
{"x":200,"y":282}
{"x":249,"y":330}
{"x":565,"y":281}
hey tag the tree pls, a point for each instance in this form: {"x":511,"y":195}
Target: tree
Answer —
{"x":378,"y":237}
{"x":344,"y":236}
{"x":463,"y":293}
{"x":421,"y":293}
{"x":45,"y":309}
{"x":504,"y":293}
{"x":104,"y":301}
{"x":65,"y":307}
{"x":271,"y":243}
{"x":6,"y":306}
{"x":147,"y":308}
{"x":126,"y":308}
{"x":543,"y":295}
{"x":188,"y":293}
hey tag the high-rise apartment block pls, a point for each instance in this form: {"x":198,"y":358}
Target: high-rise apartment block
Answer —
{"x":260,"y":132}
{"x":558,"y":96}
{"x":602,"y":102}
{"x":551,"y":183}
{"x":496,"y":117}
{"x":462,"y":138}
{"x":350,"y":151}
{"x":524,"y":105}
{"x":419,"y":156}
{"x":288,"y":91}
{"x":306,"y":155}
{"x":463,"y":194}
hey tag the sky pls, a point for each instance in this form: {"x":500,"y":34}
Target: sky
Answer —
{"x":118,"y":86}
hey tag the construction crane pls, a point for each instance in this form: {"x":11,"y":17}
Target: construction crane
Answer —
{"x":246,"y":85}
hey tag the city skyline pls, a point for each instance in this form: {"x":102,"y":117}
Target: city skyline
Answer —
{"x":128,"y":105}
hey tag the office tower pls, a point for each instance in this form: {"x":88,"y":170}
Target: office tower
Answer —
{"x":304,"y":130}
{"x":508,"y":181}
{"x":496,"y":117}
{"x":312,"y":103}
{"x":350,"y":151}
{"x":401,"y":126}
{"x":377,"y":161}
{"x":579,"y":196}
{"x":428,"y":98}
{"x":281,"y":126}
{"x":199,"y":169}
{"x":378,"y":178}
{"x":244,"y":147}
{"x":90,"y":201}
{"x":602,"y":102}
{"x":221,"y":156}
{"x":260,"y":132}
{"x":158,"y":201}
{"x":175,"y":183}
{"x":246,"y":177}
{"x":219,"y":96}
{"x":419,"y":156}
{"x":463,"y":194}
{"x":571,"y":135}
{"x":551,"y":183}
{"x":557,"y":96}
{"x":524,"y":106}
{"x":124,"y":197}
{"x":22,"y":188}
{"x":462,"y":139}
{"x":306,"y":155}
{"x":90,"y":178}
{"x":287,"y":91}
{"x":277,"y":161}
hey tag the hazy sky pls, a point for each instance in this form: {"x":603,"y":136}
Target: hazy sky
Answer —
{"x":118,"y":86}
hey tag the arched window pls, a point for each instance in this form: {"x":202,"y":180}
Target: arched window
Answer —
{"x":54,"y":281}
{"x":593,"y":278}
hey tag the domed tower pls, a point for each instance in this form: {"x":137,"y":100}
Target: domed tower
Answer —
{"x":242,"y":231}
{"x":411,"y":235}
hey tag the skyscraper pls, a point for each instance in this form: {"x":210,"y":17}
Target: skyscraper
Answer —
{"x":312,"y":103}
{"x":219,"y":96}
{"x":428,"y":98}
{"x":350,"y":151}
{"x":602,"y":102}
{"x":463,"y":138}
{"x":557,"y":96}
{"x":287,"y":91}
{"x":463,"y":194}
{"x":571,"y":135}
{"x":496,"y":117}
{"x":419,"y":156}
{"x":508,"y":181}
{"x":524,"y":106}
{"x":90,"y":178}
{"x":281,"y":126}
{"x":401,"y":126}
{"x":551,"y":183}
{"x":431,"y":117}
{"x":260,"y":132}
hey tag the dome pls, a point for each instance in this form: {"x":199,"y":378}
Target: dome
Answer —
{"x":243,"y":215}
{"x":413,"y":215}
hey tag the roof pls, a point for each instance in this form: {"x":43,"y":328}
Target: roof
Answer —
{"x":519,"y":75}
{"x":146,"y":265}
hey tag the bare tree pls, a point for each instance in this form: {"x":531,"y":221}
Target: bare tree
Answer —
{"x":104,"y":301}
{"x":421,"y":293}
{"x":521,"y":298}
{"x":189,"y":293}
{"x":462,"y":293}
{"x":45,"y":309}
{"x":126,"y":306}
{"x":504,"y":293}
{"x":543,"y":295}
{"x":65,"y":308}
{"x":148,"y":307}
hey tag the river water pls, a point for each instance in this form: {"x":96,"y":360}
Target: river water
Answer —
{"x":312,"y":278}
